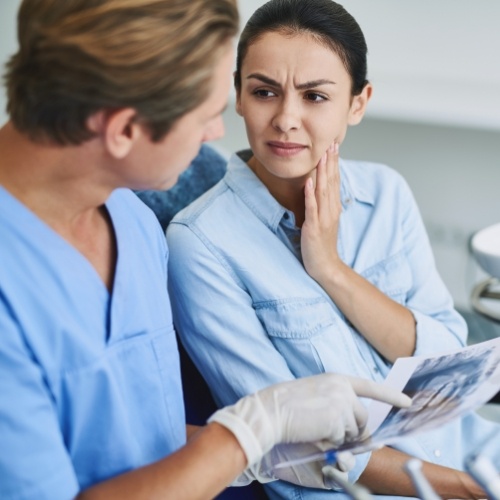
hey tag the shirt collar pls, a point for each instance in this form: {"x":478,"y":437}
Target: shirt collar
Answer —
{"x":243,"y":181}
{"x":352,"y":185}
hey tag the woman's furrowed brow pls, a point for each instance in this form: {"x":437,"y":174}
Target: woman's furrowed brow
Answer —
{"x":313,"y":83}
{"x":264,"y":79}
{"x":300,"y":86}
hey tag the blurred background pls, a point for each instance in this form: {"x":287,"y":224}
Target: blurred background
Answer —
{"x":434,"y":117}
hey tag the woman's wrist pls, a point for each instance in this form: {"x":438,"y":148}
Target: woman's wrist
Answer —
{"x":335,"y":275}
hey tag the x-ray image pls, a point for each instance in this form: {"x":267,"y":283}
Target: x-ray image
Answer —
{"x":441,"y":388}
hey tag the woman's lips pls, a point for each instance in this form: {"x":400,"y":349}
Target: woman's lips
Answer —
{"x":286,"y":149}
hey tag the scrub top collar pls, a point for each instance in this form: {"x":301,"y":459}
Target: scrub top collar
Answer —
{"x":82,"y":269}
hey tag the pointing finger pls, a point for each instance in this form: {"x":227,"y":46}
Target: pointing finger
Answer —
{"x":369,"y":389}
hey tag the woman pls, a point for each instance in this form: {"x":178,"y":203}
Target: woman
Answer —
{"x":305,"y":263}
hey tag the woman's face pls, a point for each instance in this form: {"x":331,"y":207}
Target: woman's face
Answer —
{"x":295,"y":98}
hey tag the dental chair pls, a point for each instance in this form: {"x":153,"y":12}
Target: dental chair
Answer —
{"x":203,"y":173}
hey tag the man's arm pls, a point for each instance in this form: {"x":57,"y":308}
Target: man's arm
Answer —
{"x":208,"y":463}
{"x":309,"y":409}
{"x":191,"y":430}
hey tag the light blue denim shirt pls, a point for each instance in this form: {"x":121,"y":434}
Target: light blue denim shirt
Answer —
{"x":250,"y":315}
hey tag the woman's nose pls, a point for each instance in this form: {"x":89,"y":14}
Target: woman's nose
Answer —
{"x":287,"y":116}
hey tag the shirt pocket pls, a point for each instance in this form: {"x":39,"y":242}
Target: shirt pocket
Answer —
{"x":310,"y":335}
{"x":392,"y":276}
{"x":124,"y":408}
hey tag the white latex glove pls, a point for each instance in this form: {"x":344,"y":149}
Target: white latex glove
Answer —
{"x":321,"y":407}
{"x":308,"y":474}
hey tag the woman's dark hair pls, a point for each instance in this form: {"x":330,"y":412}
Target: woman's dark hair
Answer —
{"x":325,"y":20}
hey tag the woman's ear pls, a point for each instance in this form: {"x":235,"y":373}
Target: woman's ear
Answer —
{"x":358,"y":105}
{"x":238,"y":104}
{"x":238,"y":95}
{"x":117,"y":129}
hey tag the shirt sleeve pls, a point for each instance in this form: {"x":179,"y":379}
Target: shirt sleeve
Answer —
{"x":34,"y":463}
{"x":439,"y":326}
{"x":217,"y":324}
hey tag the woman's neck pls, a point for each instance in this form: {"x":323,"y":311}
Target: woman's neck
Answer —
{"x":288,"y":192}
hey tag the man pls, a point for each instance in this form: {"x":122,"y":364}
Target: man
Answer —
{"x":105,"y":95}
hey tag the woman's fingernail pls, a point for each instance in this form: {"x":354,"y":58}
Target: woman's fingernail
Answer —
{"x":336,"y":147}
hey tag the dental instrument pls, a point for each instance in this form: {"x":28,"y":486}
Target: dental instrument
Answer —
{"x":424,"y":489}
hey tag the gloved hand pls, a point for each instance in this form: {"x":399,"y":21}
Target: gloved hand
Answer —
{"x":321,"y":407}
{"x":308,"y":474}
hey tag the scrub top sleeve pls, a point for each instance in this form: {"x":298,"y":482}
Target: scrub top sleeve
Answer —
{"x":439,"y":326}
{"x":34,"y":463}
{"x":216,"y":322}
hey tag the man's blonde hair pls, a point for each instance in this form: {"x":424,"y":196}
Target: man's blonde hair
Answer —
{"x":77,"y":57}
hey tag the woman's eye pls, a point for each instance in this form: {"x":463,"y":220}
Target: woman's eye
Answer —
{"x":315,"y":97}
{"x":264,"y":93}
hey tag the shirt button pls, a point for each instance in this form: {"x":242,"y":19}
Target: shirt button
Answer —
{"x":437,"y":453}
{"x":348,"y":201}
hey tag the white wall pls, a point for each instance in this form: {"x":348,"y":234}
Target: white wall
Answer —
{"x":8,"y":42}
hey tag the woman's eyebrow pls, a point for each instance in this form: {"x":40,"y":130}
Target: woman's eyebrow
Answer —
{"x":264,"y":79}
{"x":300,"y":86}
{"x":314,"y":83}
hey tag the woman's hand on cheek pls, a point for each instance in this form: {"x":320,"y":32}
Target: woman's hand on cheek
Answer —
{"x":322,"y":215}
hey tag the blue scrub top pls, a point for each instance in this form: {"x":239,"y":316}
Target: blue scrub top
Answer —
{"x":89,"y":382}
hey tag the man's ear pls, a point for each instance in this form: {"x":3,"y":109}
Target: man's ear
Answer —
{"x":358,"y":105}
{"x":117,"y":129}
